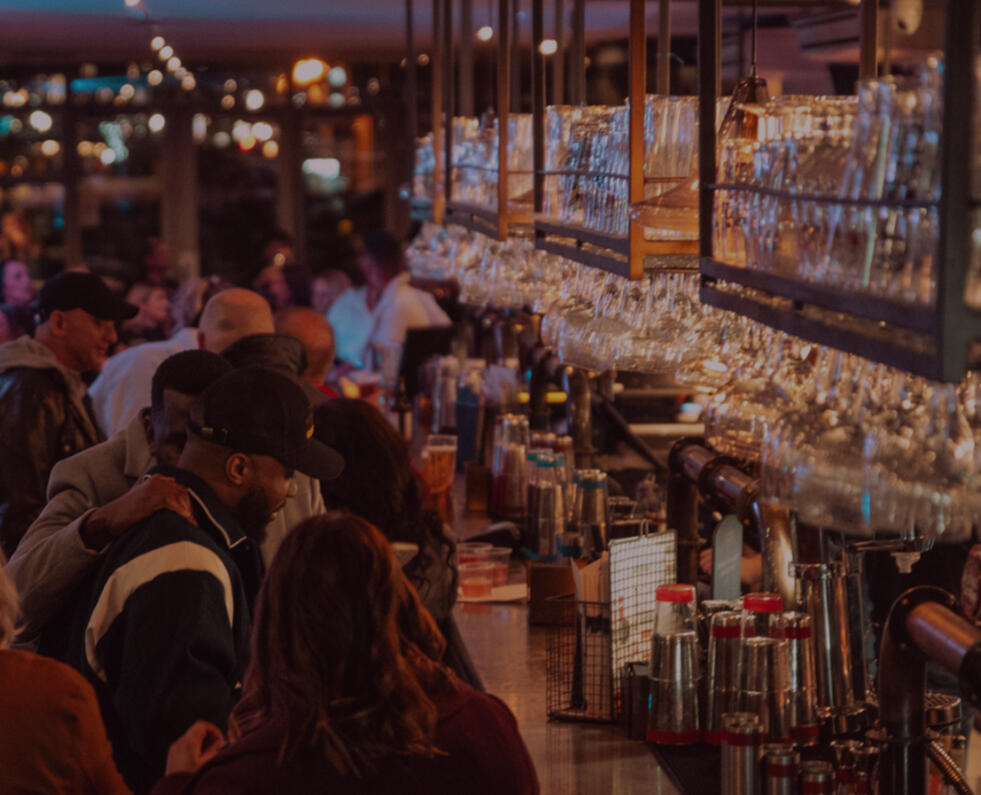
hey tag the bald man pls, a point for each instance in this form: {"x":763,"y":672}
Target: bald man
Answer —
{"x":123,"y":387}
{"x":317,"y":337}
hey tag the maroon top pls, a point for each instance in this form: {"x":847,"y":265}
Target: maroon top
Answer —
{"x":486,"y":756}
{"x":479,"y":730}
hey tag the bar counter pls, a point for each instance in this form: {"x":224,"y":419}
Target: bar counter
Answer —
{"x":571,"y":758}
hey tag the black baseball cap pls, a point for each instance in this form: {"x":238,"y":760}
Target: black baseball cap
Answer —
{"x":255,"y":410}
{"x":80,"y":290}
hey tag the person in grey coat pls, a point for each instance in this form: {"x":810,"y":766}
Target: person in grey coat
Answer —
{"x":97,"y":494}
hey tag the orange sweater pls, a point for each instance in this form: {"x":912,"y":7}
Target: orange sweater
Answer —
{"x":52,"y":739}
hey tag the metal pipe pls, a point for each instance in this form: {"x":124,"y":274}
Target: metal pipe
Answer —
{"x":948,"y":768}
{"x":869,"y":40}
{"x":441,"y":181}
{"x":942,"y":634}
{"x":503,"y":110}
{"x":664,"y":48}
{"x":538,"y":104}
{"x":709,"y":45}
{"x":577,"y":55}
{"x":922,"y":625}
{"x":580,"y":414}
{"x":682,"y":506}
{"x":558,"y":62}
{"x":636,"y":90}
{"x":465,"y":97}
{"x":449,"y":97}
{"x":902,"y":685}
{"x":410,"y":77}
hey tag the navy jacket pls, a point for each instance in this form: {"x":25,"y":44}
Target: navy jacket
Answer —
{"x":164,"y":636}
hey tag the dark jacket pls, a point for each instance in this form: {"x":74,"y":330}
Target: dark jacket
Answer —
{"x":164,"y":636}
{"x":45,"y":416}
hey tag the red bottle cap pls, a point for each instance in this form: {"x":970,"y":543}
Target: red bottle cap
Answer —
{"x":763,"y":602}
{"x":676,"y":592}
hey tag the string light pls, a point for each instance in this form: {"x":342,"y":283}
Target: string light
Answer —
{"x":485,"y":33}
{"x":254,"y":99}
{"x":548,"y":47}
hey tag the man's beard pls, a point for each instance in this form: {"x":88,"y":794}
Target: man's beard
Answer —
{"x":253,"y":513}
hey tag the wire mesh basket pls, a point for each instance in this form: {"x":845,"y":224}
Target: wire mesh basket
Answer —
{"x":578,"y":662}
{"x":591,"y":645}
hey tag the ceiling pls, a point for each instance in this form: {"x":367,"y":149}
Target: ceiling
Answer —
{"x":75,"y":30}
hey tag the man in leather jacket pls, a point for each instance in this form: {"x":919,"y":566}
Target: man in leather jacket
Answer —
{"x":45,"y":414}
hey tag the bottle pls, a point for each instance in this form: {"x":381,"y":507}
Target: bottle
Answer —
{"x":403,"y":411}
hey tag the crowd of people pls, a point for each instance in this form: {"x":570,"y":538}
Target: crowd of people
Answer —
{"x":199,"y":591}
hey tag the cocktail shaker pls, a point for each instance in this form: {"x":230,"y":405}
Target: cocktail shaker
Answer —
{"x":795,"y":629}
{"x":723,"y":672}
{"x":675,"y":670}
{"x":817,"y":778}
{"x":591,"y":514}
{"x":764,"y":688}
{"x":742,"y":737}
{"x":781,"y":770}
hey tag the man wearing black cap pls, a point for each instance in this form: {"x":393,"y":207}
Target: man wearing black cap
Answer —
{"x":164,"y":635}
{"x":44,"y":412}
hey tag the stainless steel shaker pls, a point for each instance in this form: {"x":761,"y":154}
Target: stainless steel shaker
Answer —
{"x":817,"y":778}
{"x":822,"y":595}
{"x":675,"y":671}
{"x":592,"y":509}
{"x":795,"y":628}
{"x":764,"y":689}
{"x":511,"y":443}
{"x":781,"y":770}
{"x":723,"y":671}
{"x":742,"y":738}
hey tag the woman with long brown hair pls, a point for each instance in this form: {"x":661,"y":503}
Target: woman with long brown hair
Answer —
{"x":331,"y":700}
{"x":379,"y":484}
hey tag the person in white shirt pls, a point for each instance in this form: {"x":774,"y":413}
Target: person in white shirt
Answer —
{"x":350,"y":318}
{"x":123,"y":387}
{"x":396,"y":306}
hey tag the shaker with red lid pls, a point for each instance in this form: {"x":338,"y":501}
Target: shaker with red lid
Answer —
{"x":675,"y":669}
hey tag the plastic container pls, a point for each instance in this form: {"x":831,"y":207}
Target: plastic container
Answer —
{"x":469,"y":552}
{"x":477,"y":579}
{"x":500,"y":557}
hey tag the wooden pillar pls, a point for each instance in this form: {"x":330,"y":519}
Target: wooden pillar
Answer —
{"x":179,"y":194}
{"x":74,"y":255}
{"x":290,"y":190}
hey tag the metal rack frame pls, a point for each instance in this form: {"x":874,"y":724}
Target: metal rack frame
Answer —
{"x":943,"y":332}
{"x":623,"y":255}
{"x":498,"y":222}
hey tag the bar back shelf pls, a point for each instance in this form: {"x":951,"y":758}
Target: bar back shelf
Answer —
{"x":932,"y":339}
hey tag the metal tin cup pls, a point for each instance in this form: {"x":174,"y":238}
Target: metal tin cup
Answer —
{"x":723,"y":672}
{"x":742,"y":736}
{"x":763,"y":685}
{"x":817,"y":778}
{"x":675,"y":671}
{"x":592,"y":511}
{"x":781,"y":770}
{"x":796,"y":630}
